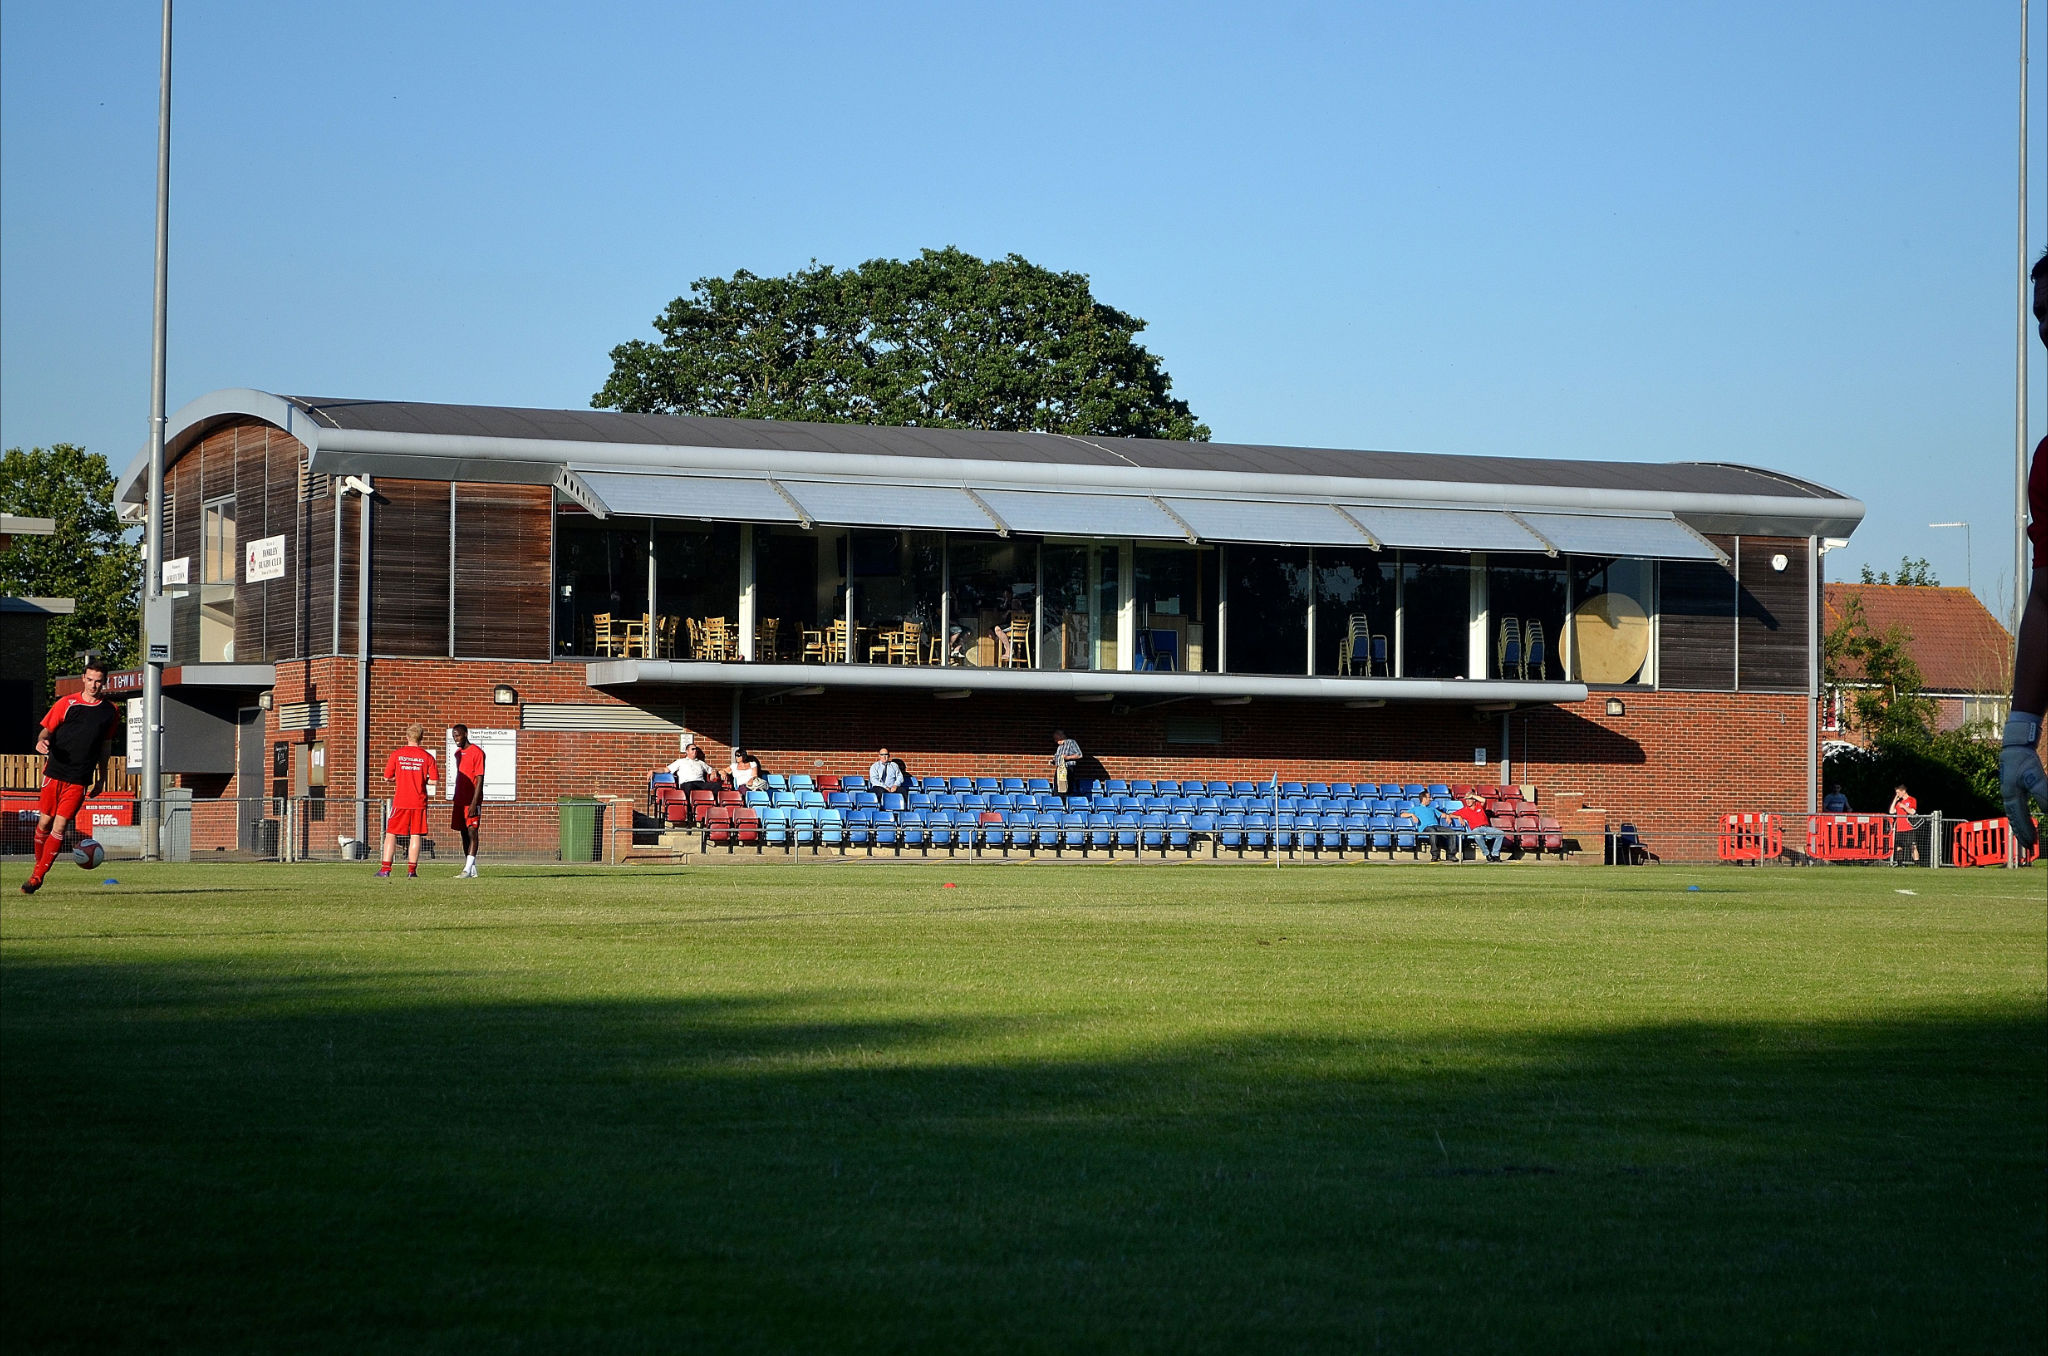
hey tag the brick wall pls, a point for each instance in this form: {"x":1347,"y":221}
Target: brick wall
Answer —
{"x":1673,"y":764}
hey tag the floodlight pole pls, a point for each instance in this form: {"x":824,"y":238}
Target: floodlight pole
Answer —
{"x":156,"y":648}
{"x":2019,"y":503}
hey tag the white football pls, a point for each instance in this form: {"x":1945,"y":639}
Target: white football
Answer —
{"x":88,"y":854}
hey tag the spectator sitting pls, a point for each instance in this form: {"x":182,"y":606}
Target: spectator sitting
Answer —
{"x":1835,"y":803}
{"x":885,"y":773}
{"x":1428,"y":826}
{"x":745,"y":772}
{"x":1479,"y":829}
{"x":691,"y":769}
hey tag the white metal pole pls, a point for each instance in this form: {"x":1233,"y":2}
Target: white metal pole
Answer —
{"x":153,"y":533}
{"x":2019,"y":503}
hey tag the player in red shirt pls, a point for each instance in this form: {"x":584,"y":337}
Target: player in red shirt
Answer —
{"x":467,"y":797}
{"x":2020,"y":774}
{"x":73,"y":741}
{"x":410,"y":770}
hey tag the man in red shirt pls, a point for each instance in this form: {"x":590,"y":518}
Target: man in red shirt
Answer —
{"x":410,"y":770}
{"x":1905,"y":833}
{"x":74,"y":740}
{"x":1477,"y":827}
{"x":2020,"y":774}
{"x":467,"y":796}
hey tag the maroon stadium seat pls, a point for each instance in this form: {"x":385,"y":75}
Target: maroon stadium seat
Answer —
{"x":1528,"y":832}
{"x":1553,"y":834}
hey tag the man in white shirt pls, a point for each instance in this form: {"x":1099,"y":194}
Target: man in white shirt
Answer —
{"x":884,"y":775}
{"x":691,"y":769}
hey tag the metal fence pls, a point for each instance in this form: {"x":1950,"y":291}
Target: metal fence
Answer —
{"x":616,"y":830}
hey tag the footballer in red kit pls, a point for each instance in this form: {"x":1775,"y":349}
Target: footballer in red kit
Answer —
{"x":73,"y":739}
{"x":411,"y":770}
{"x":466,"y":797}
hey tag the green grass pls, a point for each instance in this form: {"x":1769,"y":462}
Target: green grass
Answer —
{"x":1057,"y":1108}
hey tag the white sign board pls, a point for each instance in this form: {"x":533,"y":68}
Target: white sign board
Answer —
{"x":501,"y":763}
{"x":135,"y":735}
{"x":1479,"y":758}
{"x":177,"y":571}
{"x":264,"y":560}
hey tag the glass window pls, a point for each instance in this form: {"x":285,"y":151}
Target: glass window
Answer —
{"x":696,"y":580}
{"x":1355,"y":593}
{"x":1612,"y":606}
{"x":600,"y":585}
{"x":798,"y":588}
{"x":1270,"y":591}
{"x":1525,"y":600}
{"x":1174,"y":589}
{"x":1080,"y":607}
{"x":995,"y":586}
{"x":1436,"y":612}
{"x":896,"y":585}
{"x":218,"y":553}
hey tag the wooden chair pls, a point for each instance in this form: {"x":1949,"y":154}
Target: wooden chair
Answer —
{"x":1014,"y":641}
{"x":904,"y":645}
{"x":602,"y":640}
{"x":664,"y":637}
{"x":718,"y":638}
{"x":826,"y":646}
{"x":766,"y":639}
{"x":696,"y":634}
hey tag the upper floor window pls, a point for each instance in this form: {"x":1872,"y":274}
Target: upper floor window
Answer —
{"x":217,"y":552}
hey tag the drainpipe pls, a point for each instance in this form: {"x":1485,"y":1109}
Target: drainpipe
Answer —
{"x":361,"y":485}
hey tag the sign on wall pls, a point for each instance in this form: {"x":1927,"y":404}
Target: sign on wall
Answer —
{"x":135,"y":735}
{"x":264,"y":560}
{"x":501,"y":763}
{"x":177,"y":571}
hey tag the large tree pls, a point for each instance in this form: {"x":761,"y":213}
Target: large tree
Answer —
{"x":87,"y":559}
{"x":944,"y":340}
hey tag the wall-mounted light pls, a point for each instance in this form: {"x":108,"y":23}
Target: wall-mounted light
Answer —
{"x":264,"y":699}
{"x":1778,"y":562}
{"x":1232,"y":701}
{"x":1616,"y":707}
{"x":952,"y":694}
{"x":1095,"y":696}
{"x":504,"y":694}
{"x":1369,"y":704}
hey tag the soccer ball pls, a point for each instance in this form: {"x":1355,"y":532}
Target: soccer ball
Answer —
{"x":88,"y":854}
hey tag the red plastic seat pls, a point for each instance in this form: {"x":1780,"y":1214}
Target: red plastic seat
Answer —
{"x":826,"y":781}
{"x":1529,"y":832}
{"x":718,"y":824}
{"x":678,"y":812}
{"x":1553,"y":834}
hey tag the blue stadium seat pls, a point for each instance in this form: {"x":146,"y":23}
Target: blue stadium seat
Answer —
{"x":988,"y":784}
{"x":853,"y":782}
{"x":1320,"y":790}
{"x":860,"y":827}
{"x":759,"y":799}
{"x":800,"y":780}
{"x":1230,"y":830}
{"x":1436,"y":789}
{"x":1130,"y":827}
{"x":1038,"y":786}
{"x":1013,"y":784}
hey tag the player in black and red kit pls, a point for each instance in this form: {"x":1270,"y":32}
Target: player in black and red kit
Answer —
{"x":2020,"y":773}
{"x":74,"y":742}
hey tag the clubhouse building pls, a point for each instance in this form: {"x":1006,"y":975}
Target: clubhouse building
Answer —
{"x":1632,"y":641}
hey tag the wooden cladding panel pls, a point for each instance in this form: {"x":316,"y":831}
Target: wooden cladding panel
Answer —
{"x":409,"y":568}
{"x":503,"y":587}
{"x":1772,"y":627}
{"x":1696,"y":624}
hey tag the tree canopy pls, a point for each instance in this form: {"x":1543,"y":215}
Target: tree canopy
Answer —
{"x":1914,"y":572}
{"x":944,"y":340}
{"x":87,"y":560}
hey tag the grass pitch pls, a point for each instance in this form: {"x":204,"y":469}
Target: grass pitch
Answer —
{"x":1053,"y":1109}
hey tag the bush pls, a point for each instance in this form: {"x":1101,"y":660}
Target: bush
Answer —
{"x":1955,"y":772}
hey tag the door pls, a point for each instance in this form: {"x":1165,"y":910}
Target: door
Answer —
{"x":251,"y":768}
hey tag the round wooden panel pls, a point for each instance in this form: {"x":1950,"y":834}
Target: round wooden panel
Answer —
{"x":1613,"y":638}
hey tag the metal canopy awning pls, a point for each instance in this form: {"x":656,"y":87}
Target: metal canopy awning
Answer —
{"x":1586,"y":534}
{"x":1056,"y":513}
{"x":1444,"y":529}
{"x":613,"y":673}
{"x":848,"y":503}
{"x":712,"y":497}
{"x":1268,"y":522}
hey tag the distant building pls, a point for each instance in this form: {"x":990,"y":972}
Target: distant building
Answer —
{"x":24,"y":646}
{"x":1964,"y":655}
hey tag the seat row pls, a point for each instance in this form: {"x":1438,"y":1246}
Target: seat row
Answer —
{"x":801,"y":781}
{"x":1062,"y":831}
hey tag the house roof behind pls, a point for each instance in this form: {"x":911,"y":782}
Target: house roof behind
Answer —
{"x":1953,"y":638}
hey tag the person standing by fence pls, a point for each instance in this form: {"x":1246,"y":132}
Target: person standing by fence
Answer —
{"x":467,"y":795}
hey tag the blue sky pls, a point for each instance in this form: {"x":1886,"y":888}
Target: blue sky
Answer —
{"x":1768,"y":233}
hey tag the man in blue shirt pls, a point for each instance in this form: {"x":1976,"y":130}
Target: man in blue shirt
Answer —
{"x":884,"y":775}
{"x":1835,"y":803}
{"x":1428,"y":826}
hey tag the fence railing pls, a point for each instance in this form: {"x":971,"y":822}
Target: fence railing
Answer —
{"x":614,"y":830}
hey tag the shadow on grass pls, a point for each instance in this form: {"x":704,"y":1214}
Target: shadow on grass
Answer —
{"x":210,"y":1159}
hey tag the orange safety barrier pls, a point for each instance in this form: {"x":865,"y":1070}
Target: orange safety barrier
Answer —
{"x":1850,"y":838}
{"x":1985,"y":842}
{"x":1752,"y":838}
